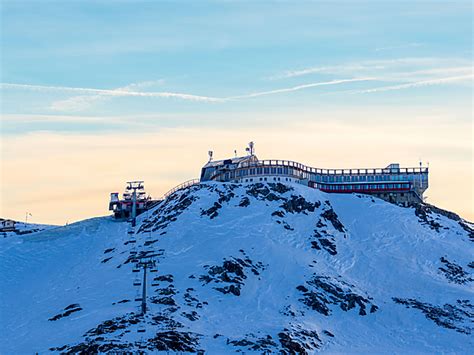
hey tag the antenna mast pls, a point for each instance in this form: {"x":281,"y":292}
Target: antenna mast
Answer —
{"x":251,"y":148}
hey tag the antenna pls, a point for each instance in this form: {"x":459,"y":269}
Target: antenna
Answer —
{"x":235,"y":153}
{"x":251,"y":148}
{"x":210,"y":155}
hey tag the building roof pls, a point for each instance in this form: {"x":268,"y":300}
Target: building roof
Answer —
{"x":235,"y":160}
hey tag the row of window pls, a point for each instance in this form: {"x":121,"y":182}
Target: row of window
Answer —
{"x":321,"y":178}
{"x":267,"y":179}
{"x":363,"y":187}
{"x":368,"y":178}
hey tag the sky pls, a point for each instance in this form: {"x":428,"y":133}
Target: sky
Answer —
{"x":96,"y":93}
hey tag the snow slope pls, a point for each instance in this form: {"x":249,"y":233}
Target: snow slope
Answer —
{"x":245,"y":268}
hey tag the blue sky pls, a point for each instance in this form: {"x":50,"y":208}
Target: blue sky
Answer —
{"x":81,"y":68}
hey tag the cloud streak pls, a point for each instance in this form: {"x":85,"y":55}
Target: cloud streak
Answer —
{"x":451,"y":79}
{"x":82,"y":102}
{"x":298,"y":87}
{"x":113,"y":92}
{"x":91,"y":95}
{"x":395,"y":67}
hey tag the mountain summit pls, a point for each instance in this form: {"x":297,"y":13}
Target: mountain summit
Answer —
{"x":265,"y":267}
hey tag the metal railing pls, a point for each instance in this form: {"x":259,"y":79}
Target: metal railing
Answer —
{"x":300,"y":171}
{"x":365,"y":171}
{"x":181,"y":186}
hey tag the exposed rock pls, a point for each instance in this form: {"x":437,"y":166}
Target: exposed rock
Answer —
{"x":68,"y":311}
{"x":323,"y":291}
{"x":299,"y":340}
{"x":332,"y":217}
{"x":175,"y":341}
{"x":232,"y":273}
{"x":164,"y":278}
{"x":244,"y":202}
{"x":454,"y":272}
{"x":458,"y":317}
{"x":253,"y":343}
{"x":298,"y":204}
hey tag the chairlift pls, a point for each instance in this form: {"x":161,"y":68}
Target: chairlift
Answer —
{"x":155,"y":284}
{"x":153,"y":269}
{"x":137,"y":283}
{"x":138,"y":299}
{"x":135,"y":269}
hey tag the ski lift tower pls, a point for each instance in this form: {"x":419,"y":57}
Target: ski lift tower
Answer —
{"x":134,"y":186}
{"x":148,"y":263}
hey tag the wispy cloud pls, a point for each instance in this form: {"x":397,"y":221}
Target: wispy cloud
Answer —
{"x":91,"y":95}
{"x":83,"y":102}
{"x":399,"y":67}
{"x":417,"y":78}
{"x":112,"y":92}
{"x":299,"y":87}
{"x":461,"y":78}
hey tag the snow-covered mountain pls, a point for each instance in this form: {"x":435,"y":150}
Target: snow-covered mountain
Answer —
{"x":21,"y":228}
{"x":245,"y":268}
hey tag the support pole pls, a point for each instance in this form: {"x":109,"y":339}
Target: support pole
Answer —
{"x":134,"y":207}
{"x":144,"y":290}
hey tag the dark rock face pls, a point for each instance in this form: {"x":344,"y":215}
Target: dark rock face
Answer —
{"x":427,"y":214}
{"x":67,"y":311}
{"x":454,"y":272}
{"x":322,"y":291}
{"x":324,"y":238}
{"x":299,"y":340}
{"x":332,"y":217}
{"x":268,"y":192}
{"x":244,"y":202}
{"x":169,"y":210}
{"x":459,"y":317}
{"x":113,"y":325}
{"x":231,"y":273}
{"x":164,"y":278}
{"x":298,"y":204}
{"x":253,"y":343}
{"x":325,"y":241}
{"x":212,"y":212}
{"x":225,"y":196}
{"x":423,"y":212}
{"x":174,"y":341}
